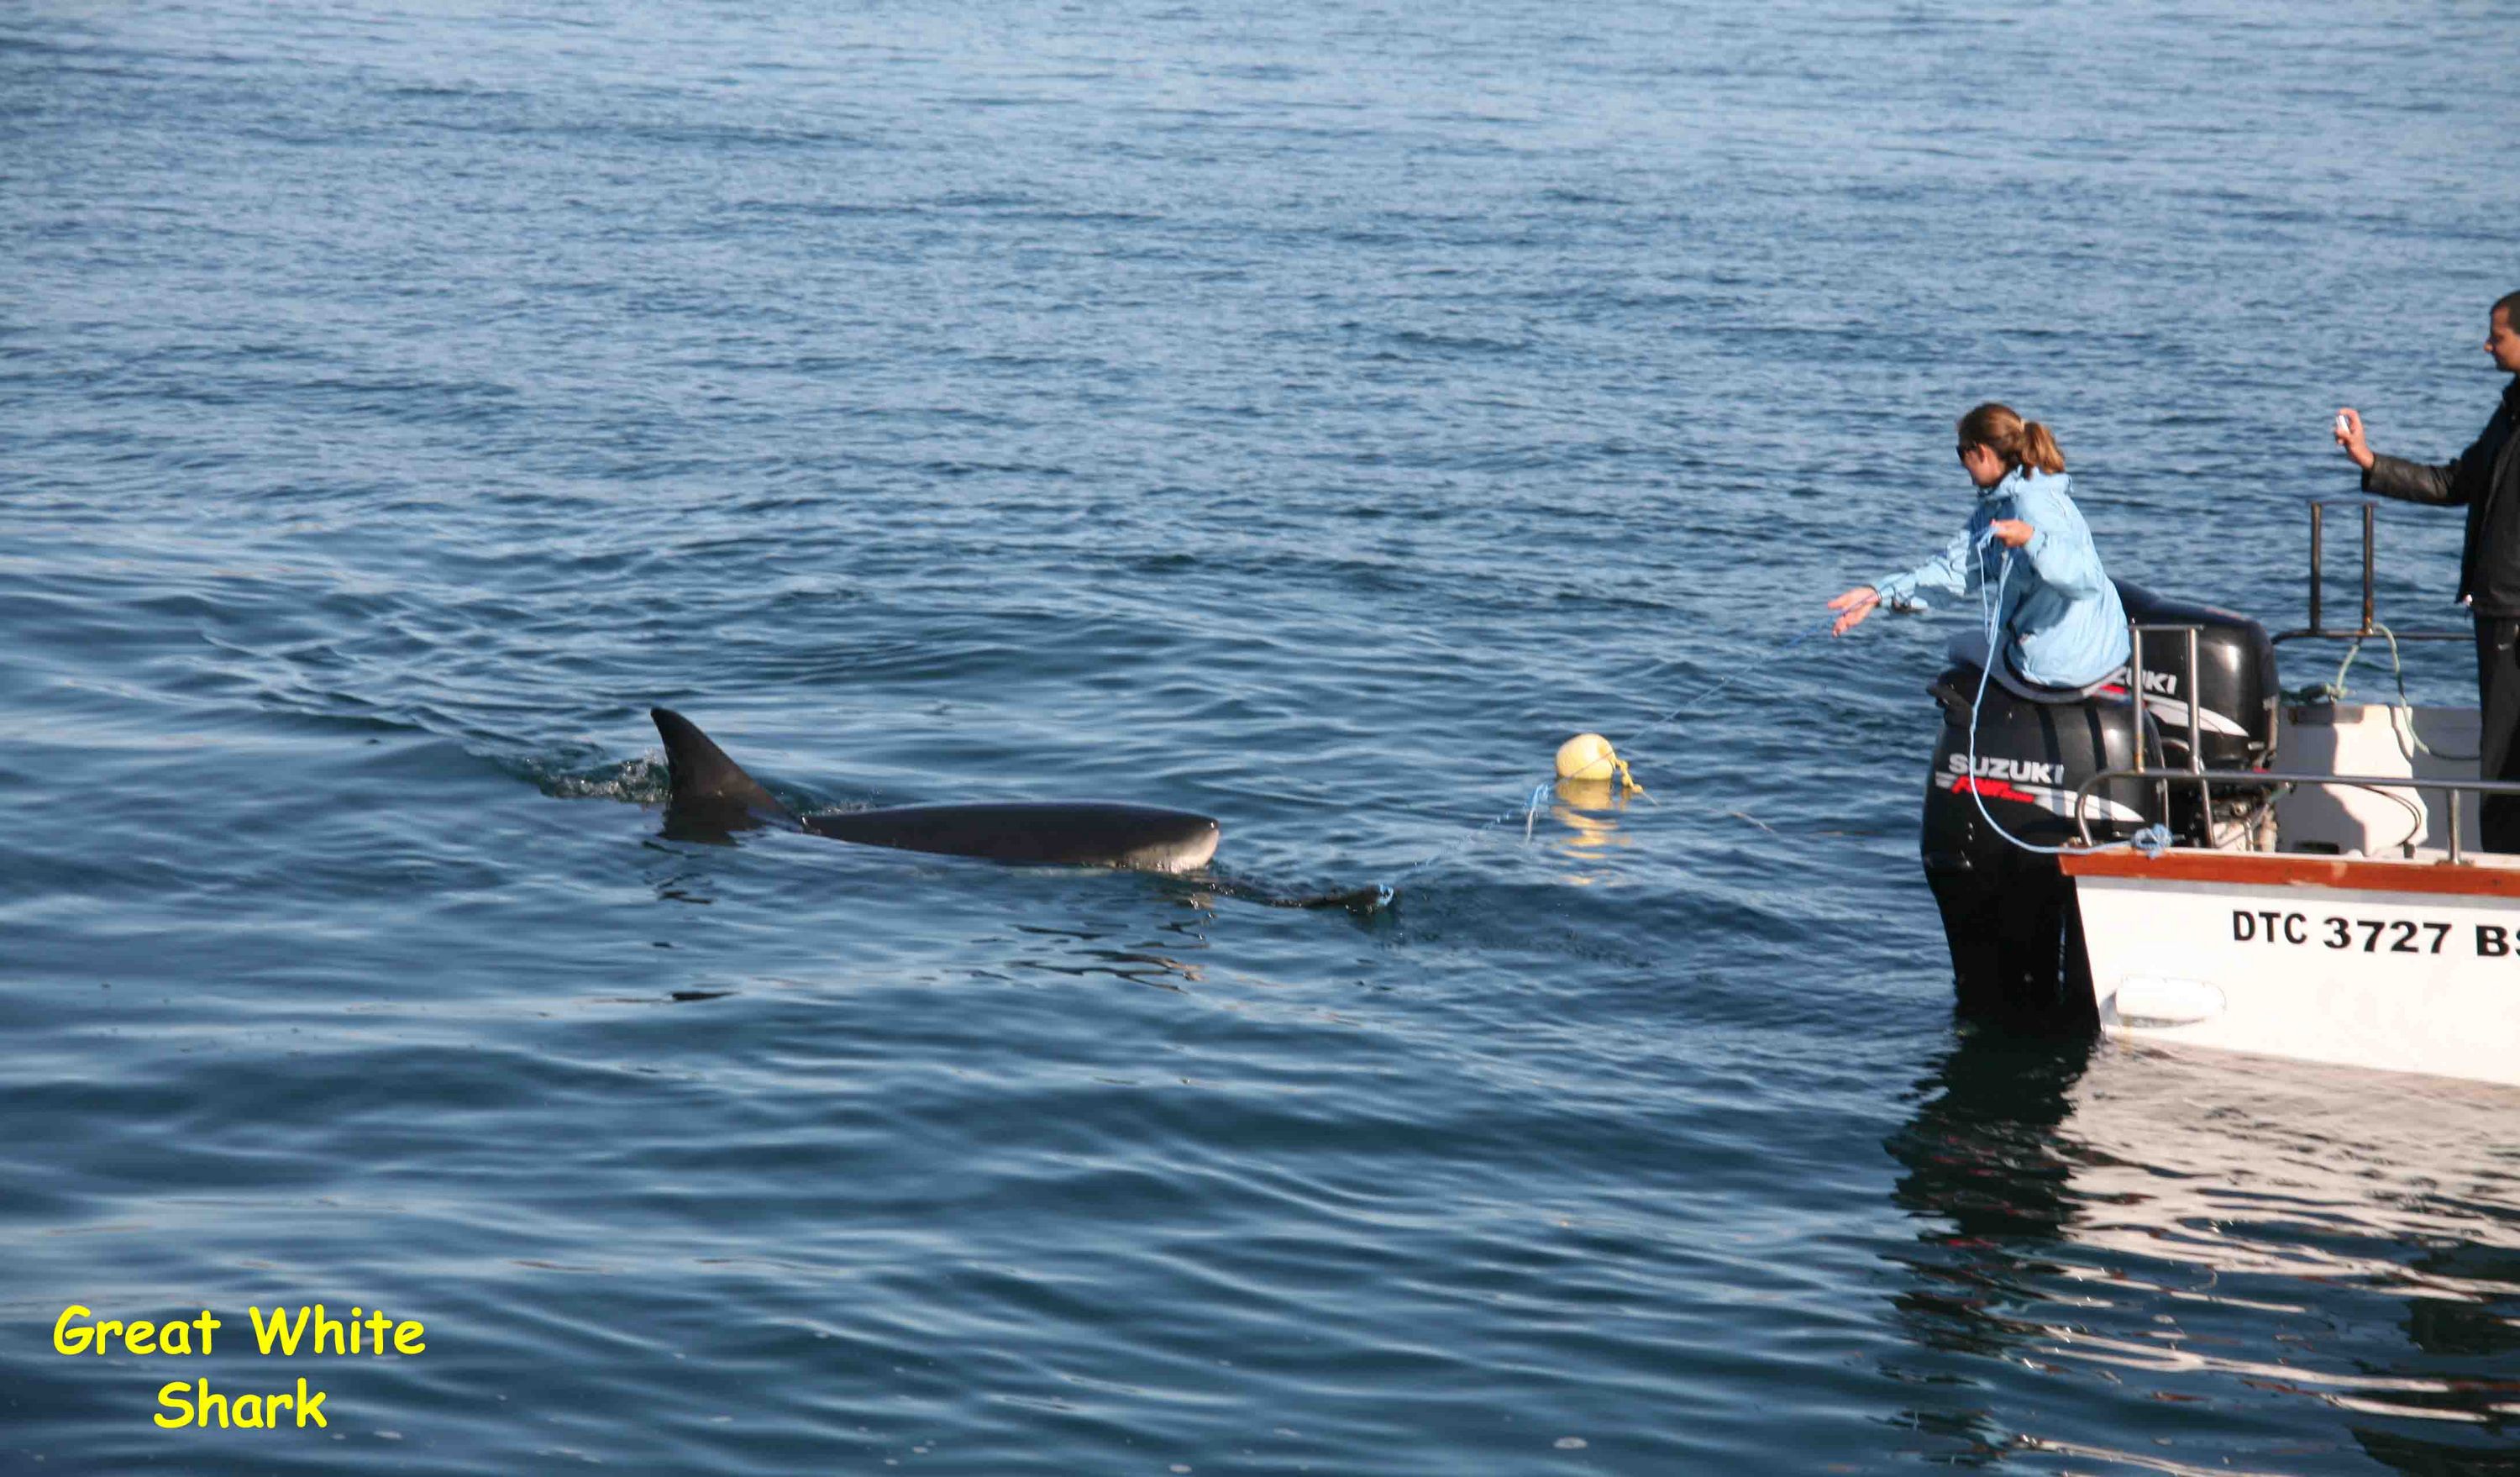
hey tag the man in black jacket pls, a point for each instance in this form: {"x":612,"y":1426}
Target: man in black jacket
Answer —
{"x":2485,"y":479}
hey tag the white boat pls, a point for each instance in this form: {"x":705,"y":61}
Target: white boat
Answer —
{"x":2321,"y":899}
{"x":2409,"y":965}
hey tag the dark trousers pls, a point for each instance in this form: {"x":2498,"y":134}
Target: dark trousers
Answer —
{"x":2497,"y":757}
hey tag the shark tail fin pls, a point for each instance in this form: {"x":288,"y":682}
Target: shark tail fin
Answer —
{"x":704,"y":779}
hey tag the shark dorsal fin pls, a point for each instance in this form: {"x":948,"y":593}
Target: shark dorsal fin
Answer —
{"x":704,"y":779}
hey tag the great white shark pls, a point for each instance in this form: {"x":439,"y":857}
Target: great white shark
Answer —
{"x":714,"y":791}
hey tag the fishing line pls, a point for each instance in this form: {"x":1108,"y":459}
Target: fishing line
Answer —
{"x":1529,"y":811}
{"x":2151,"y":840}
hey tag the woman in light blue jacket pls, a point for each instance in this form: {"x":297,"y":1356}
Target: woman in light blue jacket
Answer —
{"x":2061,"y":626}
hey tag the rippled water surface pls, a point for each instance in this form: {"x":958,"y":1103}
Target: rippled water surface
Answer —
{"x":1308,"y":415}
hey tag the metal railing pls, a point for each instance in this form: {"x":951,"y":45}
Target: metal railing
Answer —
{"x":2318,"y":629}
{"x":2259,"y":780}
{"x":2193,"y":701}
{"x":2262,"y":779}
{"x":2451,"y":788}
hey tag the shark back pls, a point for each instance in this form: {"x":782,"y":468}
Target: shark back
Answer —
{"x":1067,"y":833}
{"x":711,"y":793}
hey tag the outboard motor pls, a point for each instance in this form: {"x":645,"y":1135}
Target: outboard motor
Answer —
{"x":2235,"y":692}
{"x":2008,"y":913}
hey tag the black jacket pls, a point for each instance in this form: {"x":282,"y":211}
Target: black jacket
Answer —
{"x":2484,"y":479}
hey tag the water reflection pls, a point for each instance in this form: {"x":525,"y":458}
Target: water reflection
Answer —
{"x":2333,"y":1252}
{"x":1588,"y":811}
{"x":1096,"y":951}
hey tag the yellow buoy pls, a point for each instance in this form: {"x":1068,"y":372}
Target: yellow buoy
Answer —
{"x":1589,"y":756}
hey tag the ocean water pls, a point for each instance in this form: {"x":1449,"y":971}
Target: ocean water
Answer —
{"x":1309,"y":415}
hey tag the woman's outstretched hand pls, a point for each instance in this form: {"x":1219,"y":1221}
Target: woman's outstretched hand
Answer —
{"x":2013,"y":533}
{"x":1853,"y":607}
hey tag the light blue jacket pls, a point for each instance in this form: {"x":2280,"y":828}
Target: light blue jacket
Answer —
{"x":2061,"y":614}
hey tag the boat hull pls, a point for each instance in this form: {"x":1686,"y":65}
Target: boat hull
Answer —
{"x":2402,"y":967}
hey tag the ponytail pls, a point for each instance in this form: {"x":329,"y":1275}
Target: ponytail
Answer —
{"x":2016,"y":442}
{"x":2038,"y":450}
